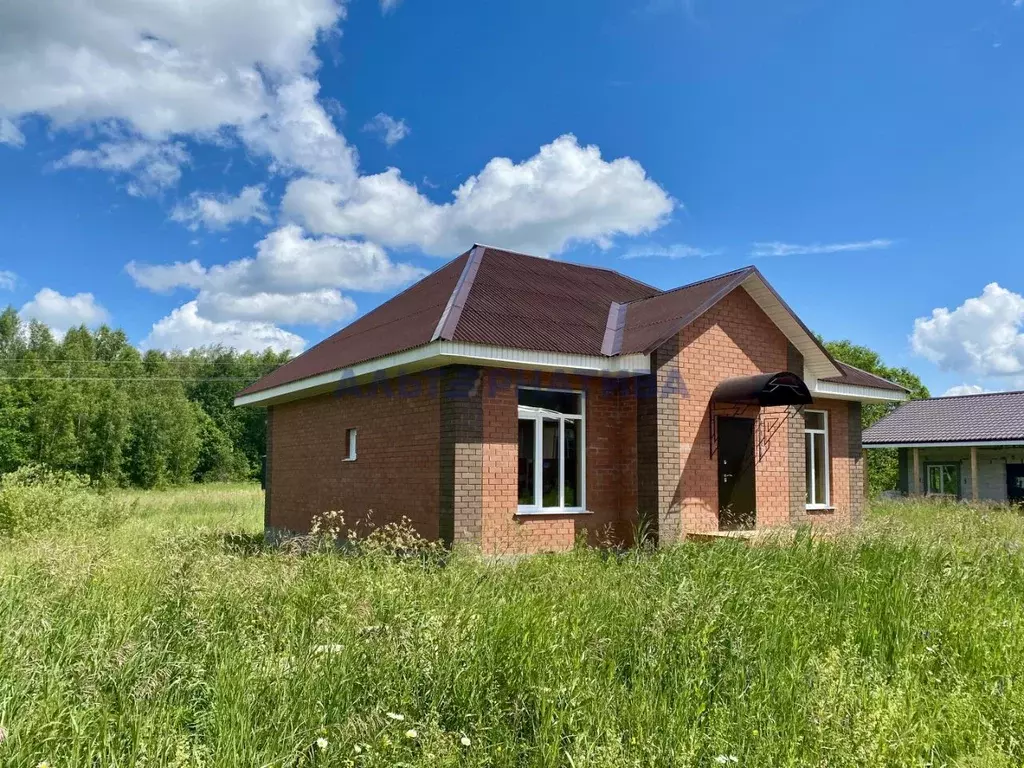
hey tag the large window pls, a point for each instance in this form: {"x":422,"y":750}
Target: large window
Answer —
{"x":551,"y":451}
{"x":816,"y":454}
{"x":943,"y":479}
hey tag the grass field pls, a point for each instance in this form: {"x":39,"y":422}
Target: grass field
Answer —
{"x":175,"y":639}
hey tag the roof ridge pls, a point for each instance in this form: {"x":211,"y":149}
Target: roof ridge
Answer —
{"x":588,"y":267}
{"x":971,"y":394}
{"x":376,"y":309}
{"x":862,"y":370}
{"x":449,"y":320}
{"x":748,"y":270}
{"x":731,"y":285}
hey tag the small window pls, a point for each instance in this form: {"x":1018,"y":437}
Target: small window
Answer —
{"x":816,"y":459}
{"x":350,"y":444}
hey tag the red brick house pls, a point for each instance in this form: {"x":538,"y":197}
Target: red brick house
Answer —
{"x":514,"y":403}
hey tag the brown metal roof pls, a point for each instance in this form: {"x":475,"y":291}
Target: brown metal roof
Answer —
{"x":408,"y":320}
{"x":997,"y":416}
{"x":859,"y":378}
{"x":506,"y":299}
{"x":651,"y":321}
{"x":552,"y":306}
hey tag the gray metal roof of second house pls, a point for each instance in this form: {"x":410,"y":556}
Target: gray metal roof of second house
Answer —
{"x":992,"y":417}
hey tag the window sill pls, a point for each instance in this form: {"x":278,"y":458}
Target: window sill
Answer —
{"x":819,"y":509}
{"x":551,"y":511}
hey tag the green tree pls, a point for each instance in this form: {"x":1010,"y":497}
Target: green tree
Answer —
{"x":90,"y":402}
{"x":882,"y":463}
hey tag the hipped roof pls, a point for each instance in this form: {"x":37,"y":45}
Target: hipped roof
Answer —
{"x":495,"y":297}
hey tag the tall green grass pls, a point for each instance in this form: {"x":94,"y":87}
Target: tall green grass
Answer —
{"x":177,"y":639}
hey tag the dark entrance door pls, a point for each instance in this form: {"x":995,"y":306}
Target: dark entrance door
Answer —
{"x":1015,"y":483}
{"x":736,"y":495}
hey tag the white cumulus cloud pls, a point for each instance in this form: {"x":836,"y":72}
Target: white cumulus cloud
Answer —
{"x":164,"y":67}
{"x":790,"y":249}
{"x":292,"y":279}
{"x":185,"y":329}
{"x":565,"y":193}
{"x":390,"y":130}
{"x":287,"y":261}
{"x":965,"y":389}
{"x":218,"y":212}
{"x":152,"y":166}
{"x":298,"y":135}
{"x":62,"y":312}
{"x":982,"y":336}
{"x":163,"y":278}
{"x":10,"y":134}
{"x":173,"y":68}
{"x":322,"y":307}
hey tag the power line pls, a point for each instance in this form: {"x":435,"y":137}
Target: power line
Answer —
{"x":125,"y":378}
{"x":27,"y":360}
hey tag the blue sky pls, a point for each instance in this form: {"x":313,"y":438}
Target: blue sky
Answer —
{"x":218,"y":171}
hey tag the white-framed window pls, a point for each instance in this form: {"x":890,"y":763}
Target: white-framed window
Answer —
{"x":552,"y":451}
{"x":350,"y":444}
{"x":942,"y":479}
{"x":817,"y":459}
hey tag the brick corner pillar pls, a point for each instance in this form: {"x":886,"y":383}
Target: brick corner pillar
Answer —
{"x":797,"y":448}
{"x":462,"y":455}
{"x":659,"y":452}
{"x":858,"y":465}
{"x":268,"y":457}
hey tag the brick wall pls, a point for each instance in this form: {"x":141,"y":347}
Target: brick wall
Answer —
{"x":462,"y":454}
{"x":441,"y":447}
{"x":846,"y":465}
{"x":857,"y":463}
{"x":396,"y":472}
{"x":610,"y":465}
{"x":734,"y":338}
{"x":794,"y":437}
{"x":657,"y":398}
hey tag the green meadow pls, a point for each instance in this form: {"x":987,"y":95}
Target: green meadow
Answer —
{"x":156,"y":629}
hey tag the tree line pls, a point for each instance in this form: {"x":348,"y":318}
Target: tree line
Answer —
{"x":93,"y":404}
{"x":882,"y":463}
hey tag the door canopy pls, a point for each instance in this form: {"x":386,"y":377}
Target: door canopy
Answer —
{"x":765,"y":390}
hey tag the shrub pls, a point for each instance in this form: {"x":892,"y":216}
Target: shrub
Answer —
{"x":36,"y":498}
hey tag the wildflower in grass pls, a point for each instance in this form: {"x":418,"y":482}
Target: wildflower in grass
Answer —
{"x":412,"y":734}
{"x":43,"y":764}
{"x":358,"y":750}
{"x":465,"y":741}
{"x":321,"y":743}
{"x":726,"y":759}
{"x":396,"y":716}
{"x":333,"y":648}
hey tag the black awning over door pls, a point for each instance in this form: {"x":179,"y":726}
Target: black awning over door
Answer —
{"x":764,"y":390}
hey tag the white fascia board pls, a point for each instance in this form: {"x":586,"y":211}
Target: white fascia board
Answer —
{"x":815,"y":361}
{"x":967,"y":444}
{"x":838,"y":391}
{"x":439,"y":353}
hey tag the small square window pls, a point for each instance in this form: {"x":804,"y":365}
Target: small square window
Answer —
{"x":350,"y":443}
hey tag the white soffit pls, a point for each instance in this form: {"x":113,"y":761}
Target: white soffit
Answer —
{"x":816,"y":362}
{"x":439,"y":353}
{"x":839,"y":391}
